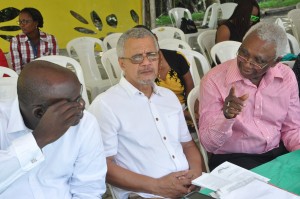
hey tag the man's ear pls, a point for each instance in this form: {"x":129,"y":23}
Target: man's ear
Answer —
{"x":121,"y":63}
{"x":38,"y":112}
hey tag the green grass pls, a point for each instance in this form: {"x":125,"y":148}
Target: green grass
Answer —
{"x":277,"y":3}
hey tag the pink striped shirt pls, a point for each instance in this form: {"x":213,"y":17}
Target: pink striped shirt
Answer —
{"x":271,"y":114}
{"x":22,"y":52}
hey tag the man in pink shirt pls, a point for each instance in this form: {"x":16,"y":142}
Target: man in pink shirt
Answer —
{"x":249,"y":106}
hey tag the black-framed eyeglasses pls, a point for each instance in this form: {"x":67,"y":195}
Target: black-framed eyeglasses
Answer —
{"x":24,"y":21}
{"x":139,"y":58}
{"x":253,"y":64}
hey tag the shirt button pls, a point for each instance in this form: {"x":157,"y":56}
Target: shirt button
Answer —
{"x":173,"y":156}
{"x":140,"y":93}
{"x":165,"y":138}
{"x":33,"y":160}
{"x":156,"y":119}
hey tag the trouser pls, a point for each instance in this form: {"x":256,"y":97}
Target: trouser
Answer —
{"x":247,"y":161}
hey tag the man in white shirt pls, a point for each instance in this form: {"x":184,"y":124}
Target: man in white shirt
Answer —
{"x":49,"y":146}
{"x":149,"y":150}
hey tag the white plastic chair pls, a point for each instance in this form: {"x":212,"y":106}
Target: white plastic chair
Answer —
{"x":7,"y":71}
{"x":73,"y":65}
{"x":206,"y":40}
{"x":293,"y":44}
{"x":173,"y":44}
{"x":211,"y":16}
{"x":111,"y":40}
{"x":224,"y":50}
{"x":166,"y":32}
{"x":197,"y":63}
{"x":96,"y":81}
{"x":298,"y":5}
{"x":8,"y":85}
{"x":191,"y":99}
{"x":110,"y":62}
{"x":227,"y":10}
{"x":176,"y":14}
{"x":294,"y":17}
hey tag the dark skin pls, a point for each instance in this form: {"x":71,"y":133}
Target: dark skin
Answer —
{"x":52,"y":113}
{"x":31,"y":28}
{"x":256,"y":51}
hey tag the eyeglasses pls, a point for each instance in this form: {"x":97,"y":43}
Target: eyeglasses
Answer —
{"x":24,"y":22}
{"x":253,"y":64}
{"x":254,"y":18}
{"x":139,"y":58}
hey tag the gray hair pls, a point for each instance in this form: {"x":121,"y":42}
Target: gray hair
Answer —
{"x":135,"y":33}
{"x":271,"y":33}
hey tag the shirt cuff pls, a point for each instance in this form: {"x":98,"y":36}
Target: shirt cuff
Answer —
{"x":27,"y":151}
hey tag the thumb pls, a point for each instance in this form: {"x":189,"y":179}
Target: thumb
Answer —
{"x":244,"y":97}
{"x":232,"y":91}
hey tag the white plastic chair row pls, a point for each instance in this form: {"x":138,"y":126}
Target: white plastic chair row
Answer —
{"x":173,"y":44}
{"x":72,"y":64}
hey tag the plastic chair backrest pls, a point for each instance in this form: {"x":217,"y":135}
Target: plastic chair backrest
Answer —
{"x":110,"y":62}
{"x":280,"y":23}
{"x":73,"y":65}
{"x":7,"y":71}
{"x":298,"y":5}
{"x":8,"y":85}
{"x":293,"y":44}
{"x":206,"y":40}
{"x":176,"y":14}
{"x":168,"y":33}
{"x":211,"y":16}
{"x":294,"y":17}
{"x":111,"y":40}
{"x":224,"y":50}
{"x":173,"y":44}
{"x":227,"y":9}
{"x":191,"y":99}
{"x":96,"y":81}
{"x":197,"y":63}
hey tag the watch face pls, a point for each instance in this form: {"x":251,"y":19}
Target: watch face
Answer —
{"x":197,"y":195}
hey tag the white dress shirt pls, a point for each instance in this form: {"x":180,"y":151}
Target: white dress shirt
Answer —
{"x":74,"y":166}
{"x":144,"y":135}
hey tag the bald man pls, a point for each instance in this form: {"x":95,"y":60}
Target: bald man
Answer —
{"x":50,"y":147}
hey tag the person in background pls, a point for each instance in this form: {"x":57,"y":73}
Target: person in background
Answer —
{"x":249,"y":106}
{"x":150,"y":152}
{"x":245,"y":15}
{"x":32,"y":42}
{"x":49,"y":146}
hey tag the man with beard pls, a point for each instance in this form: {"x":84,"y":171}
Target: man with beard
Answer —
{"x":149,"y":150}
{"x":249,"y":106}
{"x":50,"y":147}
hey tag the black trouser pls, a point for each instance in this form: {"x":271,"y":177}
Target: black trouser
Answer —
{"x":247,"y":161}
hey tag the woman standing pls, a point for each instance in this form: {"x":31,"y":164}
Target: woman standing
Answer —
{"x":31,"y":43}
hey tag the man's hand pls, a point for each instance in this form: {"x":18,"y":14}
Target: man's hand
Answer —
{"x":174,"y":185}
{"x":233,"y":105}
{"x":56,"y":121}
